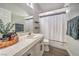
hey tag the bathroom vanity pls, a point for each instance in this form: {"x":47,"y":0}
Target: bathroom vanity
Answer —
{"x":27,"y":46}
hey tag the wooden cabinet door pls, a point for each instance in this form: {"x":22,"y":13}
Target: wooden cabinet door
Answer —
{"x":38,"y":49}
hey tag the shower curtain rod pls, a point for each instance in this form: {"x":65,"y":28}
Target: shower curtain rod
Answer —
{"x":48,"y":15}
{"x":53,"y":14}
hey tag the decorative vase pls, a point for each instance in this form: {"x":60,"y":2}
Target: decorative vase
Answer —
{"x":4,"y":36}
{"x":5,"y":39}
{"x":8,"y":43}
{"x":8,"y":40}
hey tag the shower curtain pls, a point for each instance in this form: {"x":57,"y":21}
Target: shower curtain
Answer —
{"x":53,"y":28}
{"x":44,"y":28}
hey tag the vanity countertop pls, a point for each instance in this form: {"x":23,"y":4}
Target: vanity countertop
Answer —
{"x":23,"y":43}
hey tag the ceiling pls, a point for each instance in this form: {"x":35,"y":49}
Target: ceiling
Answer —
{"x":44,"y":7}
{"x":18,"y":8}
{"x":24,"y":10}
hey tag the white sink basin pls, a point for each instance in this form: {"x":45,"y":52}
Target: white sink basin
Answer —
{"x":31,"y":36}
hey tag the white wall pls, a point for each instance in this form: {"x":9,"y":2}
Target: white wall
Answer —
{"x":72,"y":44}
{"x":5,"y":15}
{"x":18,"y":19}
{"x":8,"y":16}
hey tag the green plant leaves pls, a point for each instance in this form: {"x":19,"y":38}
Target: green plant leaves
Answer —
{"x":4,"y":29}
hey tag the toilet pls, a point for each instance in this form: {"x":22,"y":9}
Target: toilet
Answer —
{"x":46,"y":45}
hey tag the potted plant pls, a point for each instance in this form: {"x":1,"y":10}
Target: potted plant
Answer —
{"x":5,"y":30}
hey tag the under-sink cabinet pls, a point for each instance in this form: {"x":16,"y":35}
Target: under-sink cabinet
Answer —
{"x":36,"y":50}
{"x":32,"y":46}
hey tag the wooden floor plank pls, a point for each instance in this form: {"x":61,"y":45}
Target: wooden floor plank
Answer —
{"x":53,"y":51}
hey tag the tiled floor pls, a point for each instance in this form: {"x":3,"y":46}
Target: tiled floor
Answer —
{"x":56,"y":52}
